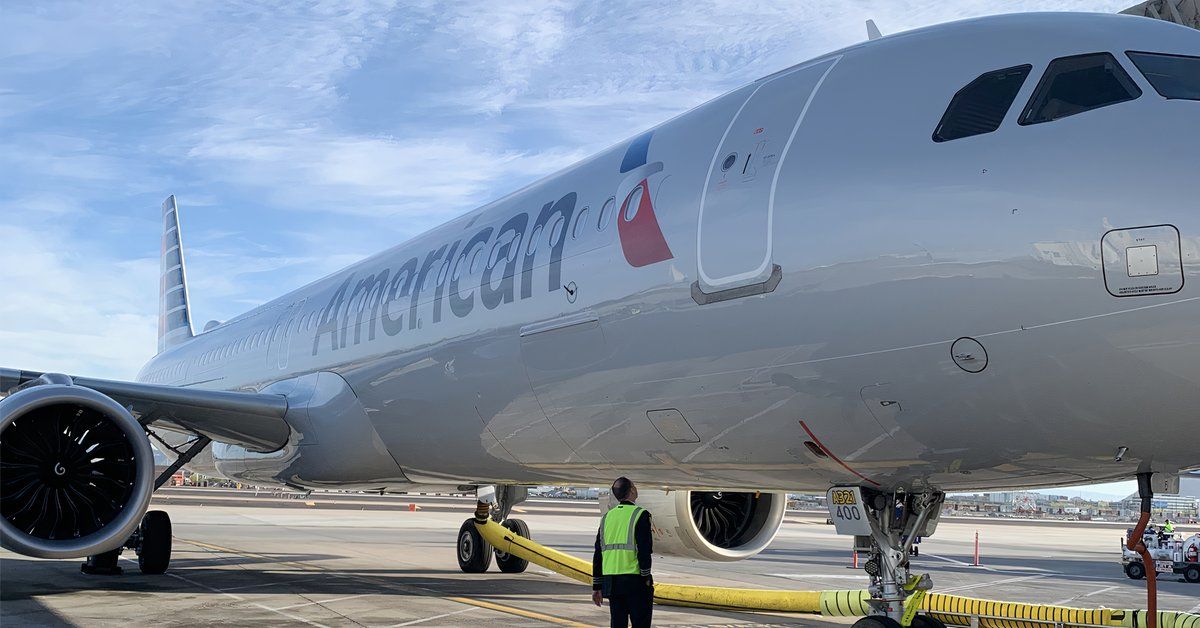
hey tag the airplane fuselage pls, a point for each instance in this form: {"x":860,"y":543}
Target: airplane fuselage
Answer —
{"x":788,"y":287}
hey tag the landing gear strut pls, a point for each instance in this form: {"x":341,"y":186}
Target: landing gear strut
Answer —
{"x":888,"y":524}
{"x":152,"y":539}
{"x":103,"y":564}
{"x":475,"y":554}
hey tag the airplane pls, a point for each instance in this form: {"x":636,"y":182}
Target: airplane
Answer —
{"x":959,"y":258}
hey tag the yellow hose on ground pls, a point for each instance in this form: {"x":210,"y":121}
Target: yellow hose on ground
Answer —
{"x":955,"y":609}
{"x":951,"y":609}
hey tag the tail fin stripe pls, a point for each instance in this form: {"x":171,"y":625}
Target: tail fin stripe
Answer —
{"x":174,"y":314}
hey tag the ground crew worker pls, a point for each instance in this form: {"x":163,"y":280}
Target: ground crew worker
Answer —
{"x":1169,"y":527}
{"x":621,"y":562}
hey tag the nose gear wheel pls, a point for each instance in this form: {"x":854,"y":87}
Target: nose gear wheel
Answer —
{"x":510,"y":563}
{"x":474,"y":553}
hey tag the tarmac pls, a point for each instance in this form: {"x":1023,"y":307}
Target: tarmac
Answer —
{"x":366,"y":560}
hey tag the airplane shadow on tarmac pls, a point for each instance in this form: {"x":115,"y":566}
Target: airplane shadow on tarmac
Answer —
{"x":29,"y":584}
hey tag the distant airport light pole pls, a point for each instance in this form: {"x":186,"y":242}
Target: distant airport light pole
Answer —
{"x":976,"y":563}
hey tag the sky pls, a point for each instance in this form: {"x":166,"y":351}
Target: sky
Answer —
{"x":301,"y":137}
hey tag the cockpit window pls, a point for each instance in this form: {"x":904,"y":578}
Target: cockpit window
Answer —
{"x":1173,"y":76}
{"x":1077,"y":84}
{"x":981,"y":105}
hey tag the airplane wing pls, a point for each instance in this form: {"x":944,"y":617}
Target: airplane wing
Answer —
{"x":252,"y":420}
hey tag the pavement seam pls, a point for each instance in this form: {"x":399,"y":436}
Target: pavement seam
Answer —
{"x":551,"y":619}
{"x":244,"y":600}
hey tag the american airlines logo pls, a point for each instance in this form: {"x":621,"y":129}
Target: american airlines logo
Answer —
{"x":390,"y":298}
{"x":642,"y":239}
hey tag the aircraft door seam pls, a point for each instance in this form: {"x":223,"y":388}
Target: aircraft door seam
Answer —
{"x":772,"y":281}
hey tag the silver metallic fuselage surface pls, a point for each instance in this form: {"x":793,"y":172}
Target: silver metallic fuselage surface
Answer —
{"x":791,"y":262}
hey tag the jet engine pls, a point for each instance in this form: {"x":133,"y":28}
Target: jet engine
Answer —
{"x":711,"y":525}
{"x":76,"y":471}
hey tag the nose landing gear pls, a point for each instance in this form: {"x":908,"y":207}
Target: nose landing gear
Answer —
{"x":474,"y":553}
{"x":889,"y":523}
{"x":507,"y":562}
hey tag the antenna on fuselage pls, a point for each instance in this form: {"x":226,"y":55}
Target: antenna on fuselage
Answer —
{"x":873,"y":31}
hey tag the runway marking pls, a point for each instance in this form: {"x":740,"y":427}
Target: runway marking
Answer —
{"x":802,"y":576}
{"x":550,"y":619}
{"x":244,"y":600}
{"x":322,"y":602}
{"x":956,"y":562}
{"x":1195,"y":609}
{"x":1072,"y":599}
{"x":260,"y":585}
{"x":520,"y":612}
{"x":443,"y":615}
{"x":238,"y":597}
{"x":990,"y":583}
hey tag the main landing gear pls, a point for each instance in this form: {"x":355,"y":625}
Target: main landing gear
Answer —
{"x":152,"y":539}
{"x":151,"y":542}
{"x":886,"y":525}
{"x":475,"y":554}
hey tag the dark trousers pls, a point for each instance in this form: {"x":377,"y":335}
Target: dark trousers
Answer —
{"x":633,"y":604}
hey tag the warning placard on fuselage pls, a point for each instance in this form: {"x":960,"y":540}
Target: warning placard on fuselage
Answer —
{"x":847,"y":511}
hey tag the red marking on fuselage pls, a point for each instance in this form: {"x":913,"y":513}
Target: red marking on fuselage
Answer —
{"x":642,"y":239}
{"x":831,"y":455}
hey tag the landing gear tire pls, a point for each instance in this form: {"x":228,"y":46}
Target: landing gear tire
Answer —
{"x":154,"y":548}
{"x":509,"y":563}
{"x":474,"y":554}
{"x":1135,"y":571}
{"x":925,"y":621}
{"x":1192,"y":574}
{"x":877,"y":621}
{"x":103,"y":564}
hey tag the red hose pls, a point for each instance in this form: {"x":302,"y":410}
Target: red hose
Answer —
{"x":1135,"y":544}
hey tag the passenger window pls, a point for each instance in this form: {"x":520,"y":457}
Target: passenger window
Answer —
{"x":580,"y":223}
{"x":477,"y":259}
{"x":980,"y":107}
{"x":1077,"y":84}
{"x":516,"y":246}
{"x":402,"y":277}
{"x":557,"y":231}
{"x":606,"y":212}
{"x":442,"y":272}
{"x":633,"y":202}
{"x":1172,"y":76}
{"x":533,"y":240}
{"x":497,"y":249}
{"x":460,"y":266}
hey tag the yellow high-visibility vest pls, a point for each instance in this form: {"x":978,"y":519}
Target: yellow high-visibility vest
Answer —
{"x":618,"y":550}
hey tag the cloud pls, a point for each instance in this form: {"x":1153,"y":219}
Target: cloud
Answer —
{"x":58,"y":313}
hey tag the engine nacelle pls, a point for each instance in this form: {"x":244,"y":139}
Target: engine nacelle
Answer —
{"x":722,"y":525}
{"x":77,"y":471}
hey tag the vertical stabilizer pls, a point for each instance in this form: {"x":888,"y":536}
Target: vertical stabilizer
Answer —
{"x":174,"y":314}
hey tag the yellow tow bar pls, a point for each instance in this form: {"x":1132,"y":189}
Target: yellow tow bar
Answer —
{"x":951,"y":609}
